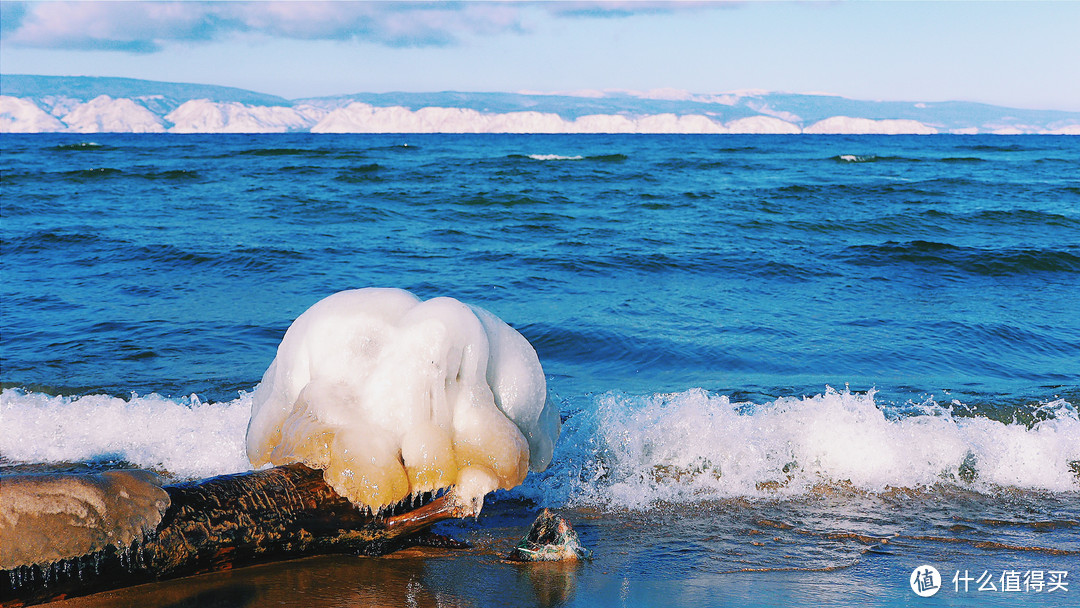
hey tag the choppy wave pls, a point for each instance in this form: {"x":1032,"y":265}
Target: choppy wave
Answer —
{"x":874,"y":158}
{"x":974,"y":260}
{"x":558,"y":157}
{"x":554,"y":157}
{"x":1004,"y":218}
{"x":185,"y":438}
{"x":855,"y":158}
{"x":284,"y":152}
{"x":621,"y":451}
{"x":92,"y":174}
{"x":636,"y":451}
{"x":88,"y":249}
{"x":996,"y":148}
{"x":44,"y":240}
{"x":81,"y":146}
{"x":95,"y":174}
{"x":170,"y":175}
{"x":863,"y":158}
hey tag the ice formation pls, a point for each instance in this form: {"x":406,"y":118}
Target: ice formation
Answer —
{"x":104,"y":114}
{"x":364,"y":118}
{"x":761,"y":124}
{"x":46,"y":518}
{"x":24,"y":116}
{"x":154,"y":113}
{"x":846,"y":125}
{"x":393,"y":397}
{"x":205,"y":116}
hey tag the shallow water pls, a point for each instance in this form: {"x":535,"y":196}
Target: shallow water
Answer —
{"x":692,"y":300}
{"x":734,"y":553}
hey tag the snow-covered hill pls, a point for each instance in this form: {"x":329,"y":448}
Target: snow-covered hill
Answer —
{"x":89,"y":105}
{"x":107,"y":115}
{"x":24,"y":116}
{"x":205,"y":116}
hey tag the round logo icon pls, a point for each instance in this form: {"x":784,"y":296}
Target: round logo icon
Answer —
{"x":925,"y":581}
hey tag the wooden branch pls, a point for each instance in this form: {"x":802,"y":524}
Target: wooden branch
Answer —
{"x":227,"y":522}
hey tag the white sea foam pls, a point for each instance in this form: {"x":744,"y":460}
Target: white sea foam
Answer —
{"x":624,"y":451}
{"x":185,"y":438}
{"x":855,"y":158}
{"x":632,"y":451}
{"x":554,"y":157}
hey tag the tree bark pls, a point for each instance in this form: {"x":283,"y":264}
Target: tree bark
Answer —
{"x":227,"y":522}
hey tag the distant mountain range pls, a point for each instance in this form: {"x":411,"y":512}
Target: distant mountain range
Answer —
{"x":78,"y":104}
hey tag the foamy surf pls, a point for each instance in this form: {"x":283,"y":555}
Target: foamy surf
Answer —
{"x":620,"y":451}
{"x":637,"y":451}
{"x":182,"y":438}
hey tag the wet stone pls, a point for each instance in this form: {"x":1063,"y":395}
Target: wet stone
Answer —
{"x":551,"y":538}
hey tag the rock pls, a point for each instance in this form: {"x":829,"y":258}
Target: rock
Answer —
{"x":550,"y":539}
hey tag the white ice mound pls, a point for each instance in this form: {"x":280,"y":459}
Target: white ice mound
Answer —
{"x":392,"y":396}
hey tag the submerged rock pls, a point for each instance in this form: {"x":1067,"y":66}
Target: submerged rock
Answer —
{"x":550,"y":539}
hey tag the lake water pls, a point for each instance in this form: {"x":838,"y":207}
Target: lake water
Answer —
{"x":788,"y":366}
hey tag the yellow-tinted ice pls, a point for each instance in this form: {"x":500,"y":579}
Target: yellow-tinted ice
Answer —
{"x":392,"y":396}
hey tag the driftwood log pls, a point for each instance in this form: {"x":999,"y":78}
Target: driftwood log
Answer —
{"x":227,"y":522}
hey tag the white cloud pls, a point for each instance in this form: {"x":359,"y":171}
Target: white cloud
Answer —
{"x":146,"y":26}
{"x":127,"y":26}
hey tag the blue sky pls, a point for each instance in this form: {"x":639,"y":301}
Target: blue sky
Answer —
{"x":1021,"y":54}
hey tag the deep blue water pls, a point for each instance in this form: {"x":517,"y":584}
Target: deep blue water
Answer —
{"x":761,"y":265}
{"x":937,"y":278}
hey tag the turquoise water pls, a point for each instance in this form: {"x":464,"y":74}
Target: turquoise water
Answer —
{"x":861,"y":353}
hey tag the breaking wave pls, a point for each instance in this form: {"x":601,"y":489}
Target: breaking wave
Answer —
{"x":557,"y":157}
{"x":554,"y":157}
{"x":621,"y":451}
{"x":632,"y":451}
{"x":181,"y":438}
